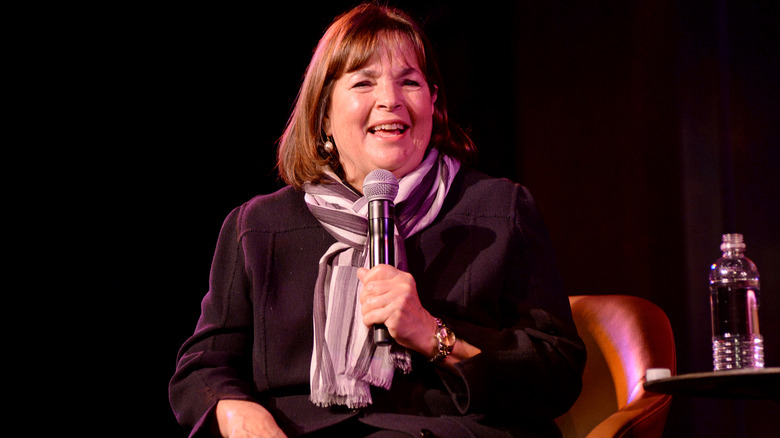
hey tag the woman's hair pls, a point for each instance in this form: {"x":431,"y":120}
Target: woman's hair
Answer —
{"x":348,"y":45}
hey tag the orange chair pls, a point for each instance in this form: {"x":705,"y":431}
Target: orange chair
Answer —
{"x":625,"y":336}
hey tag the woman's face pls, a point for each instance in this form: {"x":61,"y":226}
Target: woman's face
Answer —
{"x":380,"y":116}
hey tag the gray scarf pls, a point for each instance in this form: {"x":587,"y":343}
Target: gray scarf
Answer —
{"x":345,"y":360}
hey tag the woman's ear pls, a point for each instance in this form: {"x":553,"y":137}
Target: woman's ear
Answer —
{"x":326,"y":126}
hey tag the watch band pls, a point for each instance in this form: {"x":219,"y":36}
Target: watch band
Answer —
{"x":445,"y":341}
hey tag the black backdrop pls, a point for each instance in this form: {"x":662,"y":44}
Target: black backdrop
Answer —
{"x":644,"y":129}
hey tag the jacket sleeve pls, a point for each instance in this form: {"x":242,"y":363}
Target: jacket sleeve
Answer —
{"x":214,"y":363}
{"x":531,"y":364}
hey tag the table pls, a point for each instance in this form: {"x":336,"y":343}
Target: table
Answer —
{"x":754,"y":383}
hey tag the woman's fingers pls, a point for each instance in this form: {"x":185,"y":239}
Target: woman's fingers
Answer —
{"x":390,"y":297}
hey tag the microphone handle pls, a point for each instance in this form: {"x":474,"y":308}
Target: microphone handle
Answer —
{"x":382,"y":249}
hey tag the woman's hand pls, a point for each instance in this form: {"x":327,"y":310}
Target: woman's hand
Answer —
{"x":245,"y":419}
{"x":390,"y":297}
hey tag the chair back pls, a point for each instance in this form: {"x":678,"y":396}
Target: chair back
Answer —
{"x":624,"y":336}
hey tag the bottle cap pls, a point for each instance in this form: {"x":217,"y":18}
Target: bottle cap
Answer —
{"x":732,"y":241}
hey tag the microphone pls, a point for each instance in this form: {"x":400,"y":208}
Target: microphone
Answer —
{"x":380,"y":188}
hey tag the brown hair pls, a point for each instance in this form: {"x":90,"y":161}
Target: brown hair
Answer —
{"x":349,"y":44}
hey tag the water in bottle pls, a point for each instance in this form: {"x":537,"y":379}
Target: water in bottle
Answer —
{"x":734,"y":301}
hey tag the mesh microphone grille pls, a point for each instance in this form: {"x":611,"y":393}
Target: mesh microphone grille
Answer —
{"x":380,"y":184}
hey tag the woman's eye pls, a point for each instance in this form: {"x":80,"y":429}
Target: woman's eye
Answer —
{"x":411,"y":82}
{"x":362,"y":84}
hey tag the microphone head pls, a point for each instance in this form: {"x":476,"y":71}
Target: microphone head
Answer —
{"x":380,"y":185}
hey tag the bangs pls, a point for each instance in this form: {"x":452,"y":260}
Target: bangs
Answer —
{"x":358,"y":49}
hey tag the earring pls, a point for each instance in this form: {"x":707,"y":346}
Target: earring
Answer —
{"x":328,"y":146}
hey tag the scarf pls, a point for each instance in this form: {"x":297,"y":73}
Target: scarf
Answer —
{"x":345,"y":361}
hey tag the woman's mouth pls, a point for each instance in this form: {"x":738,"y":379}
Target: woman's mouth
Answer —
{"x":388,"y":129}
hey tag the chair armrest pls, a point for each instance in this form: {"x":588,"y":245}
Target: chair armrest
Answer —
{"x":637,"y":419}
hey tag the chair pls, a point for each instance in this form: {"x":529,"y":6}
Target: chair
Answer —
{"x":625,"y":336}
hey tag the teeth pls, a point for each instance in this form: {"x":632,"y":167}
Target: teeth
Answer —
{"x":389,"y":127}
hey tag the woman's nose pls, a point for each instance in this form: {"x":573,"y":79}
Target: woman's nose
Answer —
{"x":389,"y":97}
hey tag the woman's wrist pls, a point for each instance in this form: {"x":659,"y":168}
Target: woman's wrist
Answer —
{"x":448,"y":349}
{"x":445,"y":341}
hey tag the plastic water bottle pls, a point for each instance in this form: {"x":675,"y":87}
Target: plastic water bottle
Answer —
{"x":734,"y":301}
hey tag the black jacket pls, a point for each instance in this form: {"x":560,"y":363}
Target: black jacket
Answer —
{"x":485,"y":267}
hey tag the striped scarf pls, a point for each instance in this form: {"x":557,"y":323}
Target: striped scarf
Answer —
{"x":345,"y":360}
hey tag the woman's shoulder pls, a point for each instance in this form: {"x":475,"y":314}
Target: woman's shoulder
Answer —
{"x":285,"y":197}
{"x":476,"y":180}
{"x":479,"y":192}
{"x":282,"y":210}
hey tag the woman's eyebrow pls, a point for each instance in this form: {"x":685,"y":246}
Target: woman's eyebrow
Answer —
{"x":407,"y":71}
{"x":366,"y":72}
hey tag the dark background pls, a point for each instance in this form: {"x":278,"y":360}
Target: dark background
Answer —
{"x":644,"y":128}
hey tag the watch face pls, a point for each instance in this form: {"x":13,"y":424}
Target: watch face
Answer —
{"x":446,"y":340}
{"x":450,"y":339}
{"x":447,"y":337}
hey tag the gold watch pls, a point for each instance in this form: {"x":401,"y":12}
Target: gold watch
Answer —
{"x":445,"y":341}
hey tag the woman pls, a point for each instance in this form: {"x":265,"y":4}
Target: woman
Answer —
{"x":483,"y":343}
